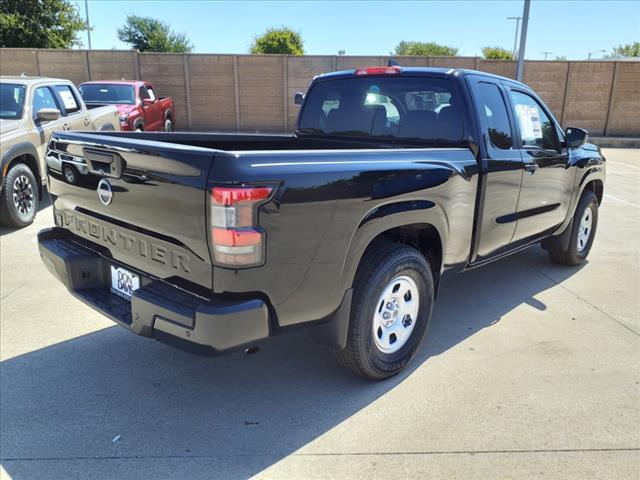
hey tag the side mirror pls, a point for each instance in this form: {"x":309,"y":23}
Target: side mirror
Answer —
{"x":48,"y":114}
{"x":576,"y":137}
{"x":147,"y":101}
{"x":298,"y":98}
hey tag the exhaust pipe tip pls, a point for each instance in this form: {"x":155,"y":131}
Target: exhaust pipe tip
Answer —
{"x":252,"y":350}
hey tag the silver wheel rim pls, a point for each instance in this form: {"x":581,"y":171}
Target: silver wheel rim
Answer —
{"x":69,"y":175}
{"x":396,"y":314}
{"x":584,"y":229}
{"x":23,"y":199}
{"x":167,"y":125}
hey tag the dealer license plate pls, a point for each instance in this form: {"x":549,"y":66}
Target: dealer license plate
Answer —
{"x":123,"y":282}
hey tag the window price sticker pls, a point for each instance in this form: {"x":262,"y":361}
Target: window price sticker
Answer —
{"x":67,"y":99}
{"x":529,"y":120}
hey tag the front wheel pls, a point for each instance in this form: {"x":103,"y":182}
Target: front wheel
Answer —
{"x":390,"y":311}
{"x":19,"y":199}
{"x":583,"y":231}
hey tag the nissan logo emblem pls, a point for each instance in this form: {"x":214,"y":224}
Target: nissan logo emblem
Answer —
{"x":105,"y":194}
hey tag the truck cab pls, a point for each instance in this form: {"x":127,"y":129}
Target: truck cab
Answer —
{"x":139,"y":107}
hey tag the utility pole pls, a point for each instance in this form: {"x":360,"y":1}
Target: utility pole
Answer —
{"x":545,"y":54}
{"x":515,"y":40}
{"x":86,"y":14}
{"x":523,"y":40}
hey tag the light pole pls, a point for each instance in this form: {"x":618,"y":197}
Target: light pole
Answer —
{"x":595,"y":51}
{"x":523,"y":40}
{"x":86,"y":14}
{"x":515,"y":40}
{"x":545,"y":54}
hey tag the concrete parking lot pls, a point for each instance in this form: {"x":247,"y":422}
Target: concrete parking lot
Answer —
{"x":530,"y":370}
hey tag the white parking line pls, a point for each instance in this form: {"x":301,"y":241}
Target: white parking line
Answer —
{"x":620,"y":200}
{"x":621,"y":164}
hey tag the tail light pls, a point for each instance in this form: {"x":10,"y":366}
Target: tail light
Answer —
{"x":235,"y":237}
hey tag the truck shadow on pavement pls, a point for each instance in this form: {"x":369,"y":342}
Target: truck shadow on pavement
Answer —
{"x":42,"y":204}
{"x":227,"y":417}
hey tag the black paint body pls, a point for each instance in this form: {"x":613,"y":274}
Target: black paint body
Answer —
{"x":334,"y":197}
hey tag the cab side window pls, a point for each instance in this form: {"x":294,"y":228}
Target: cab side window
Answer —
{"x":43,"y":98}
{"x":144,"y":93}
{"x":536,"y":128}
{"x":495,"y":112}
{"x":151,"y":94}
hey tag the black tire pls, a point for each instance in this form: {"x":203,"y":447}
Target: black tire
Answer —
{"x":378,"y":270}
{"x":21,"y":179}
{"x":576,"y":253}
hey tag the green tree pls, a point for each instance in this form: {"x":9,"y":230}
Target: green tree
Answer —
{"x":427,"y":49}
{"x":39,"y":24}
{"x":496,"y":53}
{"x":561,"y":58}
{"x":148,"y":34}
{"x":625,"y":51}
{"x":278,"y":40}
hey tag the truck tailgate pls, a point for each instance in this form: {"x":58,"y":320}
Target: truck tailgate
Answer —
{"x":142,"y":201}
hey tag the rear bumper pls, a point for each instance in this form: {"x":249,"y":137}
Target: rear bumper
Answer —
{"x":157,"y":309}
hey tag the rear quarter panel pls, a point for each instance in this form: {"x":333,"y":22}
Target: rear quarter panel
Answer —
{"x":331,"y":204}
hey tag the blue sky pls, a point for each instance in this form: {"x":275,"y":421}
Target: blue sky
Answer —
{"x":570,"y":28}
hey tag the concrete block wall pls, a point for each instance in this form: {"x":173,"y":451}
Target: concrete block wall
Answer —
{"x":255,"y":92}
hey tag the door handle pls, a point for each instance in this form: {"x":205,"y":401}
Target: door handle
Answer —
{"x":531,"y":167}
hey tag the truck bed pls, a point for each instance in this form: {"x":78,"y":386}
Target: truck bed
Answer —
{"x":329,"y":192}
{"x":260,"y":141}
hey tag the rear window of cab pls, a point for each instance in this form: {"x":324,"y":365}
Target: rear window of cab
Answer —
{"x":397,"y":107}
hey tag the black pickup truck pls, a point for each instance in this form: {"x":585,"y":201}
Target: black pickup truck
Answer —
{"x":214,"y":242}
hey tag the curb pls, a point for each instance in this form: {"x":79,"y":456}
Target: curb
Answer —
{"x":615,"y":142}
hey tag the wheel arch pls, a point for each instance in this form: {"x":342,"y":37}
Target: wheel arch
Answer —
{"x":415,"y":227}
{"x":138,"y":122}
{"x":421,"y":224}
{"x":597,"y":187}
{"x":424,"y":237}
{"x":23,"y":153}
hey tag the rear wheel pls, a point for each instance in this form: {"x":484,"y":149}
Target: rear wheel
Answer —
{"x":583,"y":230}
{"x":390,"y":311}
{"x":168,"y":125}
{"x":70,"y":174}
{"x":19,"y":199}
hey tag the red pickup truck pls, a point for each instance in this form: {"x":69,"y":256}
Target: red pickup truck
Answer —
{"x":138,"y":105}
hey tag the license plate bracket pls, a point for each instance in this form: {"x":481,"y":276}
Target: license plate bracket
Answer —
{"x":123,"y":282}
